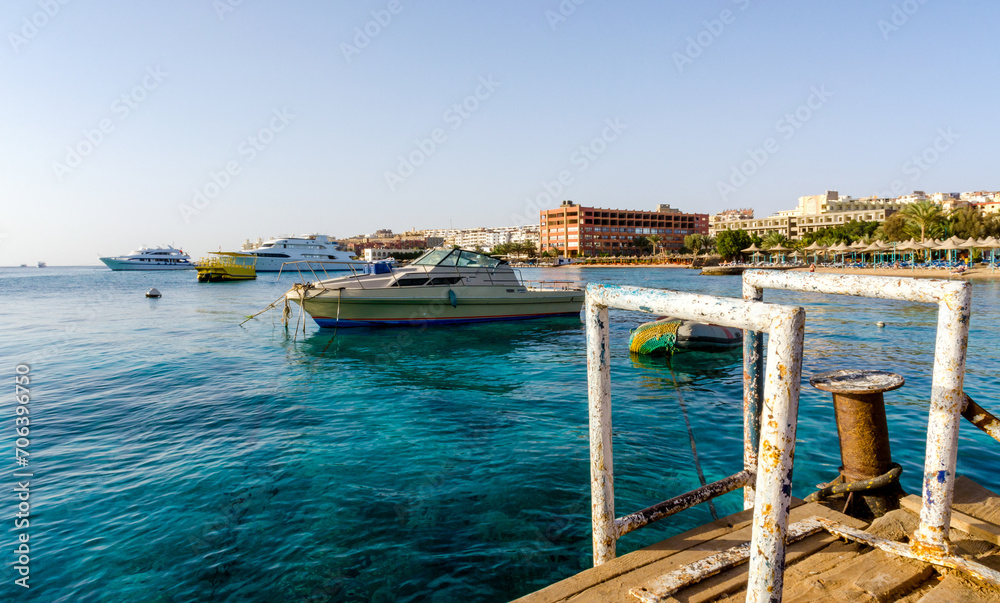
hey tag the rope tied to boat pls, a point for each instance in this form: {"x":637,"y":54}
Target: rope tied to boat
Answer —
{"x":285,"y":313}
{"x":694,"y":448}
{"x":837,"y":486}
{"x":654,"y":338}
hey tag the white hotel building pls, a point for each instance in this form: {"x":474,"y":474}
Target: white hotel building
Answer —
{"x":814,"y":212}
{"x":486,"y":238}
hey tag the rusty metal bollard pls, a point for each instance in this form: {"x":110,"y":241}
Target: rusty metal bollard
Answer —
{"x":867,"y":468}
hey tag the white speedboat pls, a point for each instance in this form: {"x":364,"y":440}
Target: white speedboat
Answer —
{"x":440,"y":287}
{"x":151,"y":258}
{"x":319,"y":249}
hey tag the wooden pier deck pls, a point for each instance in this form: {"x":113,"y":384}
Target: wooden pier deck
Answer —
{"x":821,"y":567}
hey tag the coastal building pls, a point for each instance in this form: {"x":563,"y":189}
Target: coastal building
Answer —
{"x":980,"y":197}
{"x":486,"y":238}
{"x":388,"y":242}
{"x":989,"y":207}
{"x":573,"y":230}
{"x":372,"y":254}
{"x":717,"y":221}
{"x":815,"y":212}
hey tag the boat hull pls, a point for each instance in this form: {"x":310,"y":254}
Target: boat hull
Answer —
{"x":117,"y":264}
{"x":664,"y":335}
{"x":435,"y":305}
{"x":219,"y":276}
{"x":266,"y":264}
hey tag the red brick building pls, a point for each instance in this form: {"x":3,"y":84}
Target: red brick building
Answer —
{"x":574,"y":230}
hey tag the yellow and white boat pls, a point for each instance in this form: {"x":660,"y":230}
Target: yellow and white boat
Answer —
{"x":226,"y":266}
{"x":443,"y":286}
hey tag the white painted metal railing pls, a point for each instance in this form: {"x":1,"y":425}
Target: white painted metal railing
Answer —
{"x":947,"y":401}
{"x":772,"y":474}
{"x":770,"y":416}
{"x":954,"y":300}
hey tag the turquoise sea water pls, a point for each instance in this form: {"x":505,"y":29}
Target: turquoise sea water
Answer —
{"x":180,"y":457}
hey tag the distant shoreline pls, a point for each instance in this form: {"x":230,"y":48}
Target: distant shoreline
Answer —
{"x":620,"y":266}
{"x":971,"y":274}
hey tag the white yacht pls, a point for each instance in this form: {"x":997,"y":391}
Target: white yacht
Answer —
{"x":320,"y":249}
{"x":151,"y":258}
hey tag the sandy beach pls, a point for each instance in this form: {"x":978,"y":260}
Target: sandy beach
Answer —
{"x":978,"y":272}
{"x":973,"y":273}
{"x":688,"y":266}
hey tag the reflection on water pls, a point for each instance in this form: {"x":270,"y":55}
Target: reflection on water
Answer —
{"x":691,"y":366}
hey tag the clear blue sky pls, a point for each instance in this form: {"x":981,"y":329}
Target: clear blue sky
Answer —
{"x":188,"y":88}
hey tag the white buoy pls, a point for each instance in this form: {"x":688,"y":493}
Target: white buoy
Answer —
{"x":154,"y":292}
{"x":880,"y":324}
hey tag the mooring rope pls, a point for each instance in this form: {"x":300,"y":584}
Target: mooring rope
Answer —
{"x":269,"y":306}
{"x":694,"y":448}
{"x":299,"y":318}
{"x":336,"y":325}
{"x":838,"y":487}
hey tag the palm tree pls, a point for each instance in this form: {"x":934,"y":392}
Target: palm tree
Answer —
{"x":925,"y":215}
{"x":655,"y":240}
{"x":773,"y":239}
{"x":967,"y":222}
{"x":530,"y":249}
{"x":695,"y":242}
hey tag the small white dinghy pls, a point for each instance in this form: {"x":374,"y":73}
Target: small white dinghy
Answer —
{"x":666,"y":334}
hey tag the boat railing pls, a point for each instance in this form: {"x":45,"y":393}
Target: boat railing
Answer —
{"x":310,"y":267}
{"x":560,"y":285}
{"x":317,"y":267}
{"x":772,"y":475}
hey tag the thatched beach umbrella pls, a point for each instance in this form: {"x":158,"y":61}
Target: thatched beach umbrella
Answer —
{"x":840,"y":248}
{"x":815,"y":248}
{"x":872,"y":248}
{"x":992,"y":244}
{"x":950,"y":245}
{"x":855,"y":248}
{"x":779,"y":248}
{"x":883,"y":246}
{"x":912,"y":246}
{"x":752,"y":249}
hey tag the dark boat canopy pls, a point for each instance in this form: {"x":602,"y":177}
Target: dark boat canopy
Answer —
{"x":456,"y":257}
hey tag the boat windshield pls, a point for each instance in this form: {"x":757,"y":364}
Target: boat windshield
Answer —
{"x":455,"y":257}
